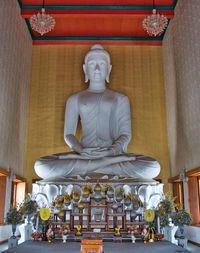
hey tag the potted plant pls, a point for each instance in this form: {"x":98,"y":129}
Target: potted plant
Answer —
{"x":166,"y":208}
{"x":28,"y":207}
{"x":180,"y":218}
{"x":14,"y":217}
{"x":133,"y":231}
{"x":64,"y":231}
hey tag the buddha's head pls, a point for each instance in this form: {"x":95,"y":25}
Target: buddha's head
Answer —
{"x":97,"y":65}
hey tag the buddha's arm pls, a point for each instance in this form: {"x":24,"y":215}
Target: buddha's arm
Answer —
{"x":71,"y":120}
{"x":123,"y":122}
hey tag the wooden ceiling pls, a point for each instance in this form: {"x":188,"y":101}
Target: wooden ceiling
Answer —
{"x":91,"y":21}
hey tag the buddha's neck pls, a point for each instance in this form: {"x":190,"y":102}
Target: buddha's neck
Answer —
{"x":97,"y":86}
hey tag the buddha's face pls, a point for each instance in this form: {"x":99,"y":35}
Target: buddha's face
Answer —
{"x":97,"y":68}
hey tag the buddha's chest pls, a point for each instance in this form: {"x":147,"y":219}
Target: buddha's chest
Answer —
{"x":97,"y":104}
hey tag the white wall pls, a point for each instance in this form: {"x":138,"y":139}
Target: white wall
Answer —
{"x":6,"y":232}
{"x":15,"y":66}
{"x":181,"y":52}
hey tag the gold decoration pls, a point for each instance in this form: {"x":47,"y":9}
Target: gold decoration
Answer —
{"x":53,"y":204}
{"x":81,"y":205}
{"x":149,"y":215}
{"x":59,"y":201}
{"x":67,"y":199}
{"x":135,"y":199}
{"x":121,"y":192}
{"x":86,"y":191}
{"x":97,"y":187}
{"x":106,"y":188}
{"x":44,"y":213}
{"x":151,"y":234}
{"x":89,"y":188}
{"x":78,"y":230}
{"x":61,"y":214}
{"x":76,"y":195}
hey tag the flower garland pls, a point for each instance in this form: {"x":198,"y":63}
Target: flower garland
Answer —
{"x":49,"y":233}
{"x":133,"y":231}
{"x":117,"y":232}
{"x":64,"y":230}
{"x":36,"y":235}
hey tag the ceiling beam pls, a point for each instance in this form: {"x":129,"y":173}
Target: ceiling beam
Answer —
{"x":63,"y":13}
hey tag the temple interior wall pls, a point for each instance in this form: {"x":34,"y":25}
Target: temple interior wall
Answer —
{"x":15,"y":66}
{"x":57,"y":73}
{"x":181,"y":53}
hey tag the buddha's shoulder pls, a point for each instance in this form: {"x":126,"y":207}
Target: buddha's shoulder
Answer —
{"x":116,"y":94}
{"x":76,"y":95}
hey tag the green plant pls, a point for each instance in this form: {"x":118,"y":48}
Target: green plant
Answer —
{"x":14,"y":216}
{"x":180,"y":217}
{"x":28,"y":206}
{"x":166,"y":208}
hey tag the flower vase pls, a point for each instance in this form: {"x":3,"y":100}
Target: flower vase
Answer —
{"x":14,"y":230}
{"x":181,"y":232}
{"x":29,"y":218}
{"x":133,"y":238}
{"x":64,"y":237}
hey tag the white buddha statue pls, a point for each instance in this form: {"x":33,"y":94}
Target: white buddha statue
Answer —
{"x":106,"y":131}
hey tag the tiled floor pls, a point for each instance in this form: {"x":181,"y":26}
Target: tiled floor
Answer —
{"x":191,"y":248}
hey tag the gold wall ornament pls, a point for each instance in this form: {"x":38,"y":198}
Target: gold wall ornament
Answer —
{"x":121,"y":191}
{"x":59,"y":201}
{"x":106,"y":188}
{"x":44,"y":214}
{"x":61,"y":214}
{"x":149,"y":215}
{"x":97,"y":187}
{"x":81,"y":205}
{"x":86,"y":191}
{"x":139,"y":201}
{"x":76,"y":195}
{"x":89,"y":188}
{"x":67,"y":199}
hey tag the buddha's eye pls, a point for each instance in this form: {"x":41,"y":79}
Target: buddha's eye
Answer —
{"x":102,"y":63}
{"x":91,"y":63}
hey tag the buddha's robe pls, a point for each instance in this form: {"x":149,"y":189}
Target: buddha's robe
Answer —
{"x":106,"y":122}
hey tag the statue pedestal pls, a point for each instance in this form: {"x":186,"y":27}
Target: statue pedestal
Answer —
{"x":149,"y":192}
{"x":169,"y":233}
{"x":101,"y":209}
{"x":25,"y":231}
{"x":12,"y":242}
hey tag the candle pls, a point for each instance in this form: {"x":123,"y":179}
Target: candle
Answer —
{"x":37,"y":223}
{"x":158,"y":224}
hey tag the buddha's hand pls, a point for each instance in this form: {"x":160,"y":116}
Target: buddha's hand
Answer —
{"x":94,"y":153}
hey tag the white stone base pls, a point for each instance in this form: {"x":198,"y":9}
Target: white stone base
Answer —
{"x":150,"y":192}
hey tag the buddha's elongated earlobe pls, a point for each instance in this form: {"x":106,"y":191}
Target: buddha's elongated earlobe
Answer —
{"x":108,"y":75}
{"x":85,"y":71}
